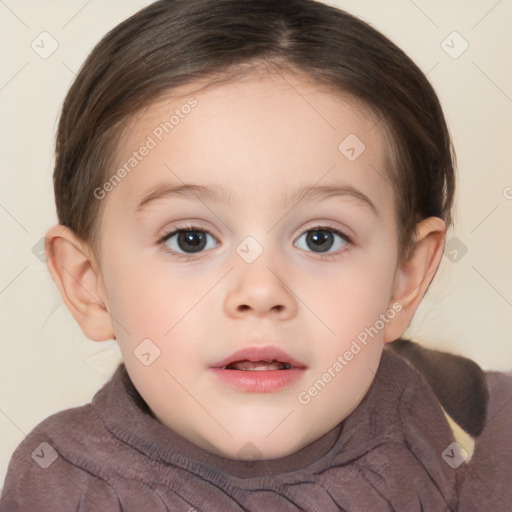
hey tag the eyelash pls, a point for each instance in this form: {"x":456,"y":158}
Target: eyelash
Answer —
{"x":188,"y":257}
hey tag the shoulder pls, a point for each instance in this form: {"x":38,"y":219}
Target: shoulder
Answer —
{"x":459,"y":383}
{"x":489,"y":472}
{"x":478,"y":408}
{"x":54,"y":457}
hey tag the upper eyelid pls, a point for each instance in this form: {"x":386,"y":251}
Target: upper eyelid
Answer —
{"x":191,"y":256}
{"x":191,"y":227}
{"x":177,"y":229}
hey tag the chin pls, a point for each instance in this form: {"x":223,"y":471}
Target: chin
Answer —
{"x":278,"y":453}
{"x":243,"y":448}
{"x":267,"y":449}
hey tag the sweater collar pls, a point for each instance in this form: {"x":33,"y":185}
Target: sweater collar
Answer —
{"x":128,"y":417}
{"x":399,"y":409}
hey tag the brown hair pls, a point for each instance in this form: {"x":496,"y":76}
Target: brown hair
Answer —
{"x":172,"y":43}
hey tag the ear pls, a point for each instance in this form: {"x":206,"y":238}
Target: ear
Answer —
{"x":77,"y":276}
{"x":414,"y":275}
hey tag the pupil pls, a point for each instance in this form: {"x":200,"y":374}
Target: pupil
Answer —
{"x":320,"y":239}
{"x":193,"y":240}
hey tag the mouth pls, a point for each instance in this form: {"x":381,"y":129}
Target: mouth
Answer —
{"x":258,"y":366}
{"x":259,"y":359}
{"x":259,"y":369}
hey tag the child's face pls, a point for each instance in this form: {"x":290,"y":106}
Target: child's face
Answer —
{"x":259,"y":140}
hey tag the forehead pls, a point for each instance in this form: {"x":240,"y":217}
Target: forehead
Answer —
{"x":260,"y":133}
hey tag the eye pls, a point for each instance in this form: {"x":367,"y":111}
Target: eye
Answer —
{"x":322,"y":239}
{"x":187,"y":241}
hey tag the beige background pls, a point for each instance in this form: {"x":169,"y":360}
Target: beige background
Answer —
{"x":48,"y":365}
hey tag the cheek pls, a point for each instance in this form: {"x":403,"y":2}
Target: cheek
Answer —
{"x":138,"y":296}
{"x":150,"y":299}
{"x":354,"y":297}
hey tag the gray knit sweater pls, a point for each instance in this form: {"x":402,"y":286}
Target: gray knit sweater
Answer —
{"x":395,"y":452}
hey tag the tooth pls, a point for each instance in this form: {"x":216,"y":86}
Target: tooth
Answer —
{"x":258,"y":365}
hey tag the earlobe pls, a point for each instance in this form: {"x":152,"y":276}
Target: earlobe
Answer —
{"x":414,"y":275}
{"x":79,"y":284}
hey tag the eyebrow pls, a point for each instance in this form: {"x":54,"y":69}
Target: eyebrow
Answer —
{"x":320,"y":192}
{"x":213,"y":192}
{"x":209,"y":192}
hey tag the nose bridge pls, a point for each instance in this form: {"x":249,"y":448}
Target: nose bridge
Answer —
{"x":258,"y":284}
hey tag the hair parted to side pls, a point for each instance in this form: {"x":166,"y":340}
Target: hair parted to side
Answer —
{"x":172,"y":43}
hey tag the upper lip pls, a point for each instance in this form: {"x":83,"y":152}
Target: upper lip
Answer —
{"x":267,"y":353}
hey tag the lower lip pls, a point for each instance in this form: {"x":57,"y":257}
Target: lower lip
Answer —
{"x":259,"y":381}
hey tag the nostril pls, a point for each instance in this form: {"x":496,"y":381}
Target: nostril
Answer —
{"x":244,"y":307}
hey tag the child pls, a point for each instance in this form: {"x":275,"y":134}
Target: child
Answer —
{"x":253,"y":198}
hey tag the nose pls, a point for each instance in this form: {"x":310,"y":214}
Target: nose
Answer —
{"x":260,"y":291}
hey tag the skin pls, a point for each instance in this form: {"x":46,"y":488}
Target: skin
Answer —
{"x":258,"y":137}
